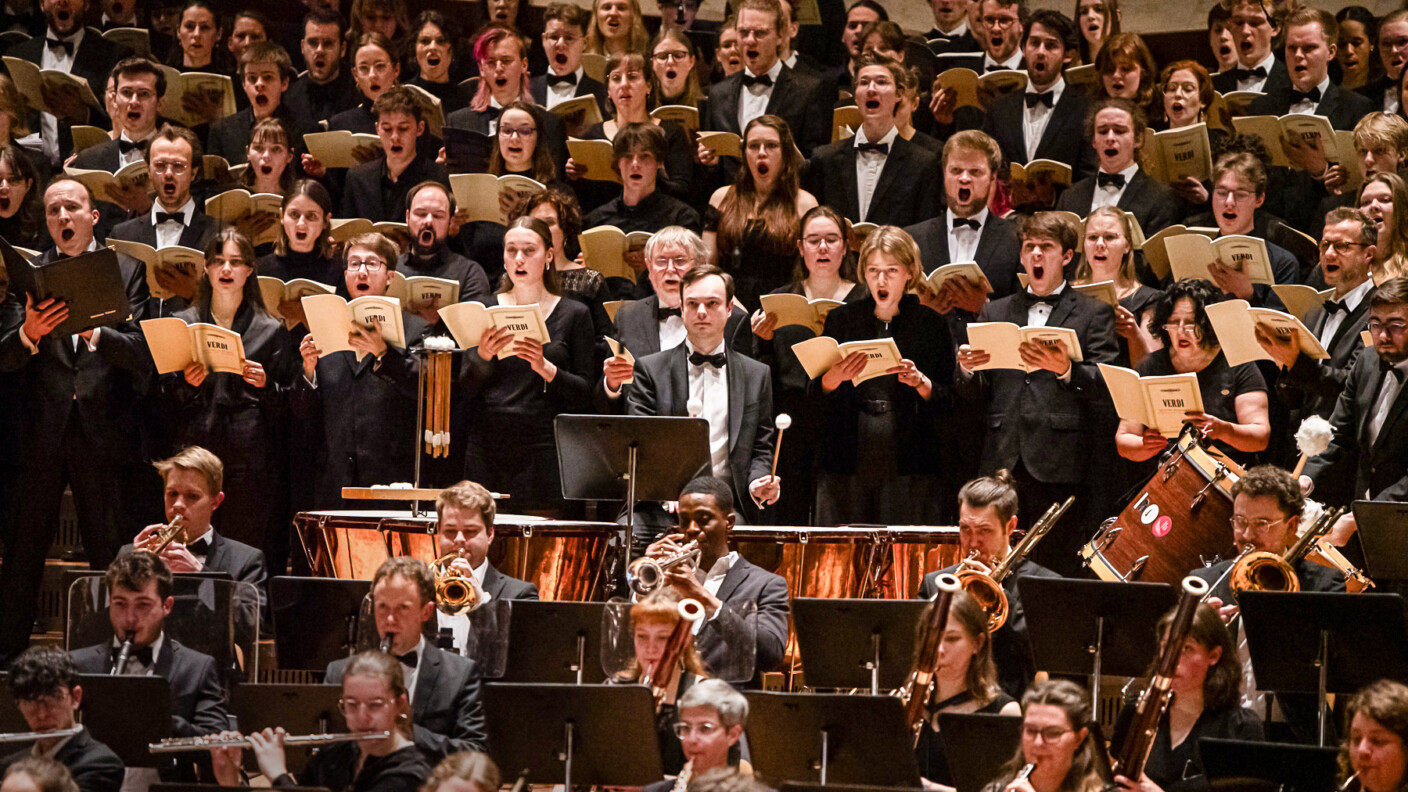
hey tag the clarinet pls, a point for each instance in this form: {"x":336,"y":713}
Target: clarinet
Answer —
{"x":123,"y":655}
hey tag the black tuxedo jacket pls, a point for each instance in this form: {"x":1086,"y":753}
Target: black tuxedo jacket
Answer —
{"x":1314,"y":386}
{"x":502,"y":587}
{"x":1376,"y":90}
{"x":768,"y":593}
{"x":551,"y":129}
{"x":661,"y":387}
{"x":909,"y":190}
{"x":1279,"y":79}
{"x":313,"y":105}
{"x":639,"y":331}
{"x":244,"y":563}
{"x":102,"y":390}
{"x":93,"y":765}
{"x":1037,"y":419}
{"x":1343,"y":108}
{"x":197,"y":697}
{"x":1012,"y":649}
{"x":585,"y":86}
{"x":1151,"y":202}
{"x":1063,"y":140}
{"x":1381,"y":470}
{"x":229,"y":137}
{"x":1313,"y":577}
{"x":362,"y":194}
{"x":940,"y":43}
{"x":197,"y":235}
{"x":93,"y":60}
{"x":998,"y":253}
{"x":446,"y":708}
{"x":803,"y":101}
{"x":104,"y":156}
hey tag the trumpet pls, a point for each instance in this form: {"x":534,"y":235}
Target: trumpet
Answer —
{"x":1263,"y":571}
{"x":124,"y":654}
{"x":24,"y":737}
{"x":206,"y":743}
{"x":987,"y":589}
{"x":176,"y":529}
{"x":455,"y":592}
{"x":648,"y":574}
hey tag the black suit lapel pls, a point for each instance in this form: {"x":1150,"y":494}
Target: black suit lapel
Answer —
{"x":779,"y":100}
{"x":896,"y":163}
{"x":727,"y":111}
{"x":1353,"y":321}
{"x":736,"y":398}
{"x":733,"y":579}
{"x":163,"y":662}
{"x":679,"y":382}
{"x":850,"y":199}
{"x":1063,"y":309}
{"x":649,"y":324}
{"x":1062,"y":116}
{"x":493,"y":583}
{"x":1329,"y":103}
{"x":426,"y":676}
{"x":216,"y":554}
{"x":539,"y":86}
{"x":1132,"y":198}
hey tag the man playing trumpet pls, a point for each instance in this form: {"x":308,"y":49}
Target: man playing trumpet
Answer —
{"x":466,"y":513}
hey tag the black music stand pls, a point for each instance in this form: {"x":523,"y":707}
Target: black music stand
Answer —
{"x":630,"y":457}
{"x":575,"y":734}
{"x":1313,"y":642}
{"x":315,"y":619}
{"x":1094,"y":627}
{"x":556,"y":642}
{"x":1241,"y":766}
{"x":856,"y":643}
{"x":830,"y":738}
{"x":108,"y":713}
{"x":793,"y":786}
{"x":978,"y":745}
{"x":1385,"y":541}
{"x":300,"y":709}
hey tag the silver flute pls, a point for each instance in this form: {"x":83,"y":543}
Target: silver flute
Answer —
{"x":182,"y":744}
{"x":23,"y":737}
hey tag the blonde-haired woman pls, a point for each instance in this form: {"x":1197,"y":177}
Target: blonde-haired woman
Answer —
{"x":1109,"y":256}
{"x":653,"y":619}
{"x":1384,"y":198}
{"x":373,"y":700}
{"x":467,"y":771}
{"x":617,"y":27}
{"x":880,"y":462}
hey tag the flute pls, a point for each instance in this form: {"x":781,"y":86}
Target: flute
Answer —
{"x":182,"y":744}
{"x":22,"y":737}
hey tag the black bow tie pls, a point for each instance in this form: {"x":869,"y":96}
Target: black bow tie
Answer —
{"x":873,"y":148}
{"x":492,"y":113}
{"x":959,"y":222}
{"x":762,"y":79}
{"x":701,"y":359}
{"x":1331,"y":306}
{"x":569,"y":78}
{"x":66,"y":46}
{"x":992,"y":67}
{"x":139,"y":654}
{"x":662,"y":313}
{"x":1034,"y":99}
{"x":199,"y":547}
{"x":1313,"y":95}
{"x":124,"y":145}
{"x":172,"y":217}
{"x":1115,"y":180}
{"x":409,"y":659}
{"x":1050,"y":299}
{"x":1390,"y":368}
{"x":1246,"y":74}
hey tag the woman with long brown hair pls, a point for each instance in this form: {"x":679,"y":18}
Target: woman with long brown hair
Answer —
{"x":675,"y":61}
{"x":617,"y":27}
{"x":1376,"y":751}
{"x":1096,"y":22}
{"x":753,"y":224}
{"x":1127,"y":70}
{"x":1055,"y":740}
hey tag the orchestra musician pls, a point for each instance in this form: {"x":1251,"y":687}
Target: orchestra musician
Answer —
{"x":374,"y":699}
{"x":723,"y":579}
{"x":1055,"y":740}
{"x":653,"y":619}
{"x":966,"y":682}
{"x":711,"y":719}
{"x":987,"y":518}
{"x":466,"y":771}
{"x":441,"y":687}
{"x":44,"y":684}
{"x":1374,"y":755}
{"x":1206,"y":703}
{"x":38,"y":774}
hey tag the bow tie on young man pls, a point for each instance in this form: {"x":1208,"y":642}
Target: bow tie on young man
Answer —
{"x":1313,"y":95}
{"x":170,"y":217}
{"x":1034,"y":99}
{"x":749,"y":80}
{"x":701,"y":359}
{"x":65,"y":45}
{"x":1033,"y":299}
{"x":1115,"y":180}
{"x":569,"y":78}
{"x":959,"y":222}
{"x":662,"y":313}
{"x":873,"y":148}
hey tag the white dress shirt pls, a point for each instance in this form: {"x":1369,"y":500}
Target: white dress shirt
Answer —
{"x":561,"y":92}
{"x":168,"y":234}
{"x":963,"y":241}
{"x":58,"y":60}
{"x":136,"y":667}
{"x":753,"y":99}
{"x":1036,"y":117}
{"x":671,"y":332}
{"x":714,"y":580}
{"x":1307,"y":107}
{"x":410,"y":673}
{"x":1388,"y":394}
{"x":1110,"y":195}
{"x":1391,"y":100}
{"x":133,"y":155}
{"x":459,"y":624}
{"x":869,"y":165}
{"x":709,"y":387}
{"x":494,"y":122}
{"x":1254,"y":83}
{"x":1039,"y":313}
{"x":957,"y":32}
{"x":1014,"y":62}
{"x":1351,"y":302}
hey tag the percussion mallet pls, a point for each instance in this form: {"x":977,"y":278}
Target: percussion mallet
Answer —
{"x":782,"y":422}
{"x":1312,"y":438}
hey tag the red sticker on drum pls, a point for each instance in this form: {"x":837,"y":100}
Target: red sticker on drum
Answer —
{"x":1162,"y":526}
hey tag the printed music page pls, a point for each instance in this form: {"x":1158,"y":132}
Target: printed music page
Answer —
{"x":796,"y":309}
{"x":1001,"y":339}
{"x":818,"y":355}
{"x":1159,"y":403}
{"x":331,"y":320}
{"x":1235,"y":323}
{"x":467,"y":322}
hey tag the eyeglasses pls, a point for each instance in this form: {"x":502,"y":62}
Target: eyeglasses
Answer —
{"x":348,"y":706}
{"x":1339,"y":247}
{"x":366,"y":266}
{"x":131,"y":94}
{"x":565,"y":38}
{"x":1048,"y":734}
{"x":704,"y":729}
{"x":680,"y":263}
{"x":379,"y":67}
{"x":830,"y":240}
{"x":175,"y":167}
{"x":1243,"y":525}
{"x":1392,"y":328}
{"x":1222,"y":194}
{"x":756,"y":33}
{"x":502,"y":63}
{"x":999,"y":21}
{"x":1191,"y":328}
{"x":666,"y":57}
{"x":518,"y":132}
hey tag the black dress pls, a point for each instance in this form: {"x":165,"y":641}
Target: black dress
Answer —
{"x":758,"y":261}
{"x":1180,"y":769}
{"x":245,"y":427}
{"x":311,"y":266}
{"x":511,"y":442}
{"x":676,"y":178}
{"x":929,"y":752}
{"x":332,"y":767}
{"x":796,"y":464}
{"x":1220,"y":385}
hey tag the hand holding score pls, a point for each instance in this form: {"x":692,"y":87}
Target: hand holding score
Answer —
{"x":1283,"y":348}
{"x":368,"y":339}
{"x":1054,"y":358}
{"x":254,"y":374}
{"x":763,"y":324}
{"x":970,"y":359}
{"x":194,"y":374}
{"x":493,"y":342}
{"x":310,"y":354}
{"x":41,"y":319}
{"x":1231,"y":281}
{"x":844,"y":370}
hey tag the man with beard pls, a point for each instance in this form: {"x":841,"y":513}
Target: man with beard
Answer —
{"x":430,"y":207}
{"x":68,"y":46}
{"x":327,"y":89}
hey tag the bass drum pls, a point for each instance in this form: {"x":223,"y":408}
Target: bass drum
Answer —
{"x":1180,"y":521}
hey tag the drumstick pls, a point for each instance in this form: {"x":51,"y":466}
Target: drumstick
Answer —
{"x":444,"y":404}
{"x":426,"y":383}
{"x":782,"y":422}
{"x":439,"y":404}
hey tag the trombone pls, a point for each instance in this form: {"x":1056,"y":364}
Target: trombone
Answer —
{"x":987,"y":589}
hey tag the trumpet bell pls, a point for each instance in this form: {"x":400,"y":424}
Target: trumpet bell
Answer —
{"x":455,"y":593}
{"x":1263,"y":571}
{"x":988,"y":593}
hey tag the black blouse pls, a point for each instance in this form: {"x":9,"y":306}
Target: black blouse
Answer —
{"x":677,"y":178}
{"x":511,"y":387}
{"x":930,"y":753}
{"x":1180,"y":769}
{"x":788,"y":376}
{"x":332,"y":767}
{"x":1219,"y":384}
{"x":1142,"y":300}
{"x":292,"y":265}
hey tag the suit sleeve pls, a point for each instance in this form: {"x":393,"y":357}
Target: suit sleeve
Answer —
{"x":762,"y":440}
{"x":1319,"y":378}
{"x":1101,"y":346}
{"x":1329,"y":465}
{"x":641,"y":396}
{"x":124,"y":346}
{"x":209,"y":716}
{"x":816,"y":128}
{"x":771,"y":637}
{"x":928,"y":587}
{"x":98,"y":772}
{"x":471,"y":731}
